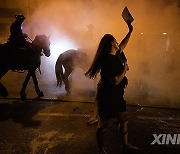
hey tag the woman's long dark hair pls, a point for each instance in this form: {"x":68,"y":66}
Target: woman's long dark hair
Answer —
{"x":103,"y":49}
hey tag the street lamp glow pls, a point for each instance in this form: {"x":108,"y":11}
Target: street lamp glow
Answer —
{"x":59,"y":46}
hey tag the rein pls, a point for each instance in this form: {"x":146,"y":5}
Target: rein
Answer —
{"x":30,"y":39}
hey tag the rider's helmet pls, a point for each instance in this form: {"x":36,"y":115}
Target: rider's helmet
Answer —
{"x":20,"y":17}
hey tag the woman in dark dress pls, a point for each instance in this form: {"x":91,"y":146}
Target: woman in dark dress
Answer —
{"x":111,"y":63}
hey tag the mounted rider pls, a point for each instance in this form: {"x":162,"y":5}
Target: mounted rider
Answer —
{"x":17,"y":37}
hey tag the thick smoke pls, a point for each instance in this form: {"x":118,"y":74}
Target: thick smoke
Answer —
{"x":75,"y":24}
{"x":153,"y":49}
{"x":152,"y":52}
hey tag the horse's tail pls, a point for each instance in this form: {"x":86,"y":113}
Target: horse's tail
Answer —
{"x":59,"y":71}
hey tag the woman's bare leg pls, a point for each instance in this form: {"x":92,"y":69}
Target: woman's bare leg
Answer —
{"x":123,"y":130}
{"x":102,"y":126}
{"x":94,"y":118}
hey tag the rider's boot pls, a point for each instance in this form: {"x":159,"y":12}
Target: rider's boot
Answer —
{"x":23,"y":96}
{"x":39,"y":93}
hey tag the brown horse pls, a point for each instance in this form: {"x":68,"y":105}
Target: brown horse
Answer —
{"x":70,"y":60}
{"x":19,"y":59}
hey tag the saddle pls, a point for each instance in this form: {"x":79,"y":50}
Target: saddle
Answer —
{"x":20,"y":56}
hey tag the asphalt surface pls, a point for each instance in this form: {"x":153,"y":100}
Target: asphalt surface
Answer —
{"x":57,"y":123}
{"x":56,"y":127}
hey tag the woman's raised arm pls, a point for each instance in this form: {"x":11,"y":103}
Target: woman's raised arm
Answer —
{"x":124,"y":42}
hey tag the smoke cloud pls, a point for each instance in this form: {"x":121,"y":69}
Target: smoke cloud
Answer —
{"x":153,"y":51}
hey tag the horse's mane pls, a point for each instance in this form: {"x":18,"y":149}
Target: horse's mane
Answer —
{"x":39,"y":38}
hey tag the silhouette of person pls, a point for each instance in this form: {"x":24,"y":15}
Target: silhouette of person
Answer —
{"x":90,"y":32}
{"x":110,"y":61}
{"x":94,"y":118}
{"x":17,"y":37}
{"x":88,"y":38}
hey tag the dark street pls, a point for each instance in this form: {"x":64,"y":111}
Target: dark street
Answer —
{"x":41,"y":126}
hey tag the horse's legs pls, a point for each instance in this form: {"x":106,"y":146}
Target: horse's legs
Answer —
{"x":66,"y":80}
{"x":23,"y":93}
{"x":3,"y":91}
{"x":36,"y":86}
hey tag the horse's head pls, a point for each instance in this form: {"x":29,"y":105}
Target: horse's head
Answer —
{"x":42,"y":41}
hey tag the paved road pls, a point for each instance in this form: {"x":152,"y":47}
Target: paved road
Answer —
{"x":55,"y":127}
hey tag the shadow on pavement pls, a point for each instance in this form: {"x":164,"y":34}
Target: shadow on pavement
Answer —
{"x":21,"y":112}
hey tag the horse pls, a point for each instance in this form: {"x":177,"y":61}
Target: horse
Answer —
{"x":24,"y":59}
{"x":70,"y":60}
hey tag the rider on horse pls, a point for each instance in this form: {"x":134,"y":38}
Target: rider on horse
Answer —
{"x":17,"y":37}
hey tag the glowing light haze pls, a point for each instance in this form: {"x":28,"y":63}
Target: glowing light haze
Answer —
{"x":153,"y":51}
